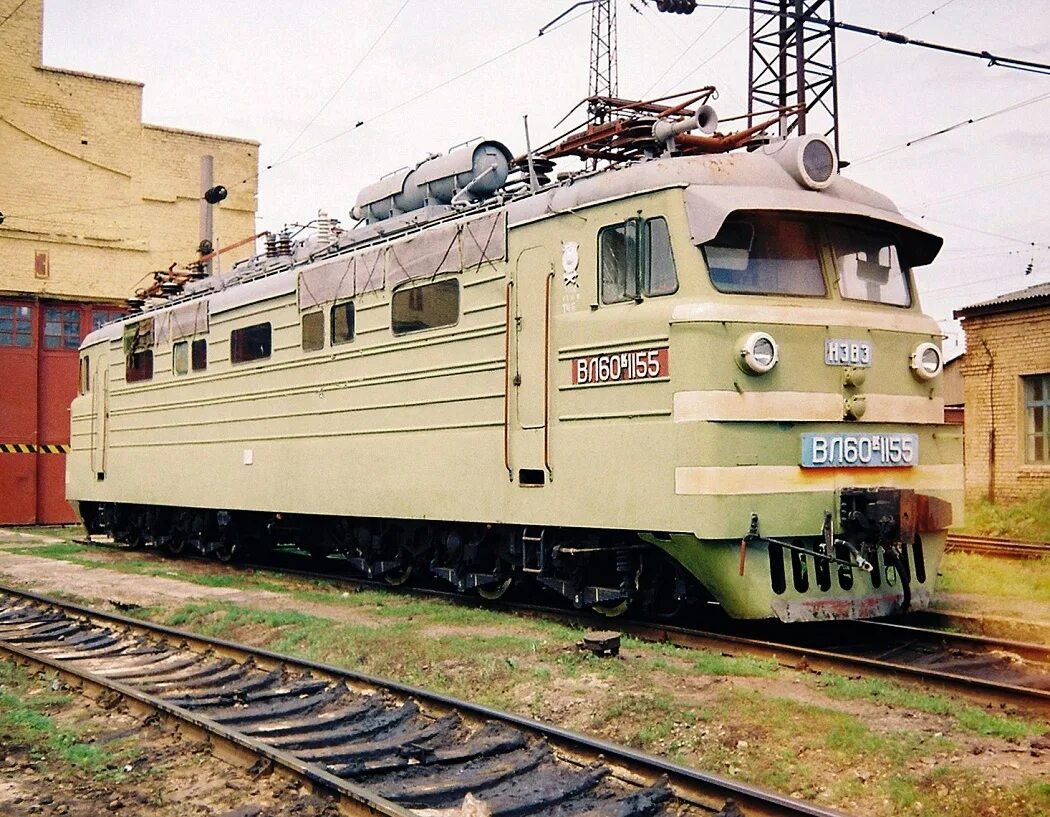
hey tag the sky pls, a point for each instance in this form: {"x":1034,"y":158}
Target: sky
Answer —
{"x":425,"y":75}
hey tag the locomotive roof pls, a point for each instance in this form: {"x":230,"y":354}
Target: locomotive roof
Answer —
{"x":715,"y":186}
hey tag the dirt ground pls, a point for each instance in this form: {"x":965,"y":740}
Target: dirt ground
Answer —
{"x":605,"y":703}
{"x":165,"y":775}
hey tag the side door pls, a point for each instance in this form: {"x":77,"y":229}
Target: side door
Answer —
{"x":530,"y":368}
{"x":100,"y":415}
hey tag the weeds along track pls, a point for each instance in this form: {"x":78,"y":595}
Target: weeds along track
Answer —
{"x":1007,"y":674}
{"x":990,"y":546}
{"x":379,"y":747}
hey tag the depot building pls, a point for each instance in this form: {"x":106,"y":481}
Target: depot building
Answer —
{"x":1006,"y":380}
{"x":93,"y":201}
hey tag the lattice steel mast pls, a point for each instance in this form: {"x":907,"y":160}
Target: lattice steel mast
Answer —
{"x":604,"y":74}
{"x":793,"y":64}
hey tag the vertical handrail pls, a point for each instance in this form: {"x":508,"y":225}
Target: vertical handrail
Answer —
{"x":506,"y":389}
{"x":547,"y":376}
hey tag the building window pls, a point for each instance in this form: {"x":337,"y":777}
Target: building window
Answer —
{"x":180,"y":357}
{"x":312,"y":324}
{"x":635,"y":259}
{"x":343,"y":323}
{"x":1037,"y":419}
{"x":425,"y":307}
{"x":100,"y":317}
{"x":199,"y":355}
{"x":16,"y":325}
{"x":139,"y":366}
{"x":61,"y":328}
{"x":251,"y":343}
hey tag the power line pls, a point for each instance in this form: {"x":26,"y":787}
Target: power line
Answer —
{"x":905,"y":26}
{"x":899,"y":39}
{"x":13,"y":13}
{"x":981,"y":188}
{"x":420,"y":95}
{"x":950,"y":128}
{"x":685,"y":51}
{"x":348,"y":77}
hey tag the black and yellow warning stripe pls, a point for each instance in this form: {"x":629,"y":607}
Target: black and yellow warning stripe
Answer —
{"x":31,"y":448}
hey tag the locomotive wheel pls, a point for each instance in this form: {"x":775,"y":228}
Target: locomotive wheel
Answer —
{"x":396,"y":578}
{"x":494,"y":592}
{"x":225,"y":551}
{"x":612,"y":610}
{"x":175,"y":545}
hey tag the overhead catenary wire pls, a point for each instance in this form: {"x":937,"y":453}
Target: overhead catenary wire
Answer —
{"x":13,"y":12}
{"x":346,"y":79}
{"x":994,"y":60}
{"x":405,"y":102}
{"x":962,"y":124}
{"x":906,"y":26}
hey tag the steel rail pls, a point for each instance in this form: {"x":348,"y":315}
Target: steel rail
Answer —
{"x":696,"y":791}
{"x":815,"y":658}
{"x":992,"y":546}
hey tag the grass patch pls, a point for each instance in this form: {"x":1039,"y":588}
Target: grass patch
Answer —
{"x":1004,"y":578}
{"x":26,"y":723}
{"x":1027,"y":520}
{"x":65,"y":551}
{"x":710,"y":663}
{"x":970,"y":718}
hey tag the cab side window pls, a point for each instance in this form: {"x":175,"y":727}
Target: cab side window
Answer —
{"x":635,"y":260}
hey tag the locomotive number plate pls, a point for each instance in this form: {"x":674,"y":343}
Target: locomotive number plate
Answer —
{"x":847,"y":352}
{"x":859,"y":450}
{"x":620,"y":367}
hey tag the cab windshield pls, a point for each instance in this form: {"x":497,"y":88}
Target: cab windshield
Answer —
{"x":775,"y":253}
{"x":766,"y":254}
{"x":868,"y":266}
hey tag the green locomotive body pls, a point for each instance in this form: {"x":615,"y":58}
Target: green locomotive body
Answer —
{"x":690,"y":378}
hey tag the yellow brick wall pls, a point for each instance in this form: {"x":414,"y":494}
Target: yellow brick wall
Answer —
{"x":108,"y":198}
{"x":1000,"y":350}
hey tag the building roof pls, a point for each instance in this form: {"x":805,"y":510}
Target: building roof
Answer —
{"x":1030,"y":298}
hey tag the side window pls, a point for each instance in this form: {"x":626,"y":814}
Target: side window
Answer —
{"x":16,"y":325}
{"x":425,"y":307}
{"x":251,"y":343}
{"x":139,"y":366}
{"x":199,"y":355}
{"x":138,"y":351}
{"x":343,"y":323}
{"x":312,"y":324}
{"x":85,"y":375}
{"x":618,"y":257}
{"x":659,"y":276}
{"x":180,"y":357}
{"x":635,"y":259}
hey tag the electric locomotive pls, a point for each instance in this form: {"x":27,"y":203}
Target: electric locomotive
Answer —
{"x":697,"y":375}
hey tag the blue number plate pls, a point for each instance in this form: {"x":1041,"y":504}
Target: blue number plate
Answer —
{"x":859,"y":450}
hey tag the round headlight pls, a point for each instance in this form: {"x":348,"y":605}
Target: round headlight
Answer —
{"x":810,"y":159}
{"x":818,"y":161}
{"x":758,"y":353}
{"x":926,"y":361}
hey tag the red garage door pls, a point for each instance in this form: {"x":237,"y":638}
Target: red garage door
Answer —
{"x":38,"y":380}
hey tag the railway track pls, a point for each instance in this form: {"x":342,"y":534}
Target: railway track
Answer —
{"x":381,"y":748}
{"x":1007,"y":674}
{"x":990,"y":546}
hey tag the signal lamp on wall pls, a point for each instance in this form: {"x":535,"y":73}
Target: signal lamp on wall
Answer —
{"x":214,"y":195}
